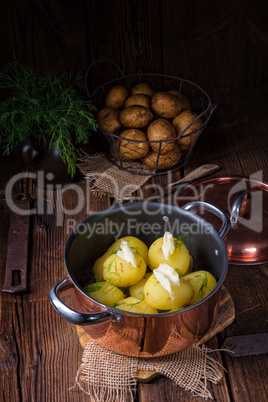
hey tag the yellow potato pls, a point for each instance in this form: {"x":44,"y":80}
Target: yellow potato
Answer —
{"x":161,"y":129}
{"x":104,"y":293}
{"x":131,"y":150}
{"x":138,"y":99}
{"x":158,"y":297}
{"x":166,"y":105}
{"x":135,"y":116}
{"x":137,"y":289}
{"x":202,"y":282}
{"x":181,"y":122}
{"x":135,"y":306}
{"x":142,"y":88}
{"x":120,"y":273}
{"x":108,"y":119}
{"x":179,"y":260}
{"x":98,"y":267}
{"x":185,"y":104}
{"x":165,"y":161}
{"x":136,"y":245}
{"x":116,"y":97}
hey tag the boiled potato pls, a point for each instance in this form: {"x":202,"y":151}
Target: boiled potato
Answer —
{"x":131,"y":150}
{"x":138,"y":99}
{"x":116,"y":97}
{"x":158,"y":297}
{"x":202,"y":282}
{"x":166,"y":105}
{"x":185,"y":104}
{"x":137,"y":289}
{"x":181,"y":122}
{"x":104,"y":293}
{"x":108,"y":119}
{"x":143,"y":88}
{"x":120,"y":273}
{"x":179,"y":260}
{"x":158,"y":130}
{"x":165,"y":161}
{"x":136,"y":245}
{"x":135,"y":116}
{"x":135,"y":306}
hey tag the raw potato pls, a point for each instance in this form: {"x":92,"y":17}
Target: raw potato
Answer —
{"x":185,"y":103}
{"x":137,"y":289}
{"x":139,"y":99}
{"x":166,"y":161}
{"x":116,"y":97}
{"x":181,"y":122}
{"x":158,"y":297}
{"x":180,"y":259}
{"x":104,"y":293}
{"x":135,"y":116}
{"x":108,"y":119}
{"x":202,"y":282}
{"x":120,"y":273}
{"x":143,"y":88}
{"x":158,"y":130}
{"x":131,"y":150}
{"x":136,"y":245}
{"x":135,"y":306}
{"x":166,"y":105}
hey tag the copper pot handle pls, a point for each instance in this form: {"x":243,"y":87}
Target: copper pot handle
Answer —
{"x":225,"y":227}
{"x":74,"y":316}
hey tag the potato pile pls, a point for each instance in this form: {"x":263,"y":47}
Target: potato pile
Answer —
{"x":131,"y":277}
{"x":141,"y":114}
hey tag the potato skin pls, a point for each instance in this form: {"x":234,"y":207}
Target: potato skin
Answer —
{"x":166,"y":105}
{"x":135,"y":306}
{"x":135,"y":116}
{"x":104,"y":293}
{"x":128,"y":150}
{"x":202,"y":282}
{"x":181,"y":122}
{"x":161,"y":129}
{"x":120,"y":273}
{"x":108,"y":119}
{"x":137,"y":289}
{"x":143,"y":88}
{"x":116,"y":97}
{"x":179,"y":260}
{"x":166,"y":161}
{"x":138,"y":99}
{"x":185,"y":103}
{"x":158,"y":297}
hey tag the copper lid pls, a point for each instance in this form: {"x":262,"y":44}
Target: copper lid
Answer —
{"x":247,"y":242}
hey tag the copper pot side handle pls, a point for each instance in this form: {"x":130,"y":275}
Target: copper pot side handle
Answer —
{"x":225,"y":227}
{"x":74,"y":316}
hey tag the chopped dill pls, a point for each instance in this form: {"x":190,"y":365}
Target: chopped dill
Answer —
{"x":181,"y":239}
{"x":203,"y":286}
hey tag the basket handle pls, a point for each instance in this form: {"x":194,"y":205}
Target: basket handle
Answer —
{"x":97,"y":62}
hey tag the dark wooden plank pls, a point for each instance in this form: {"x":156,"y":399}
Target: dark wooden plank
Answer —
{"x":126,"y":33}
{"x":215,"y":45}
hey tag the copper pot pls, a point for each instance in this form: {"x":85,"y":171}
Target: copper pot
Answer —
{"x":134,"y":334}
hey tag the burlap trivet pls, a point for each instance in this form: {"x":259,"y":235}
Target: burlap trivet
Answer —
{"x":108,"y":376}
{"x":109,"y":179}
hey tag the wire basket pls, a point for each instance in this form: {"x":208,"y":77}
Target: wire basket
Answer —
{"x":159,"y":163}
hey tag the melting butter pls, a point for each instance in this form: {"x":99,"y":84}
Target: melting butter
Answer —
{"x":166,"y":275}
{"x":126,"y":253}
{"x":168,"y":246}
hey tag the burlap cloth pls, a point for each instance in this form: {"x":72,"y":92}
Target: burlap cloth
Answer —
{"x":108,"y":376}
{"x":108,"y":179}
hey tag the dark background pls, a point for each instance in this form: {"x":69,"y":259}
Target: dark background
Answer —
{"x":215,"y":44}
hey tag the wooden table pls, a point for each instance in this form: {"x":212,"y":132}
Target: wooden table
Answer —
{"x":40,"y":351}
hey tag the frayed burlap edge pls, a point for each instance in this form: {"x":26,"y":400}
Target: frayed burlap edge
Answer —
{"x":108,"y":376}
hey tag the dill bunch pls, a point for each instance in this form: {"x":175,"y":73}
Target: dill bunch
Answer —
{"x":47,"y":108}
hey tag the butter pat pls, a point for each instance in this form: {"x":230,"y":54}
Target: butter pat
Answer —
{"x":167,"y":276}
{"x":168,"y":246}
{"x":126,"y":253}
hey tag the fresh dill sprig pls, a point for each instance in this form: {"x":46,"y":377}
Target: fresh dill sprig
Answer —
{"x":46,"y":108}
{"x":181,"y":239}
